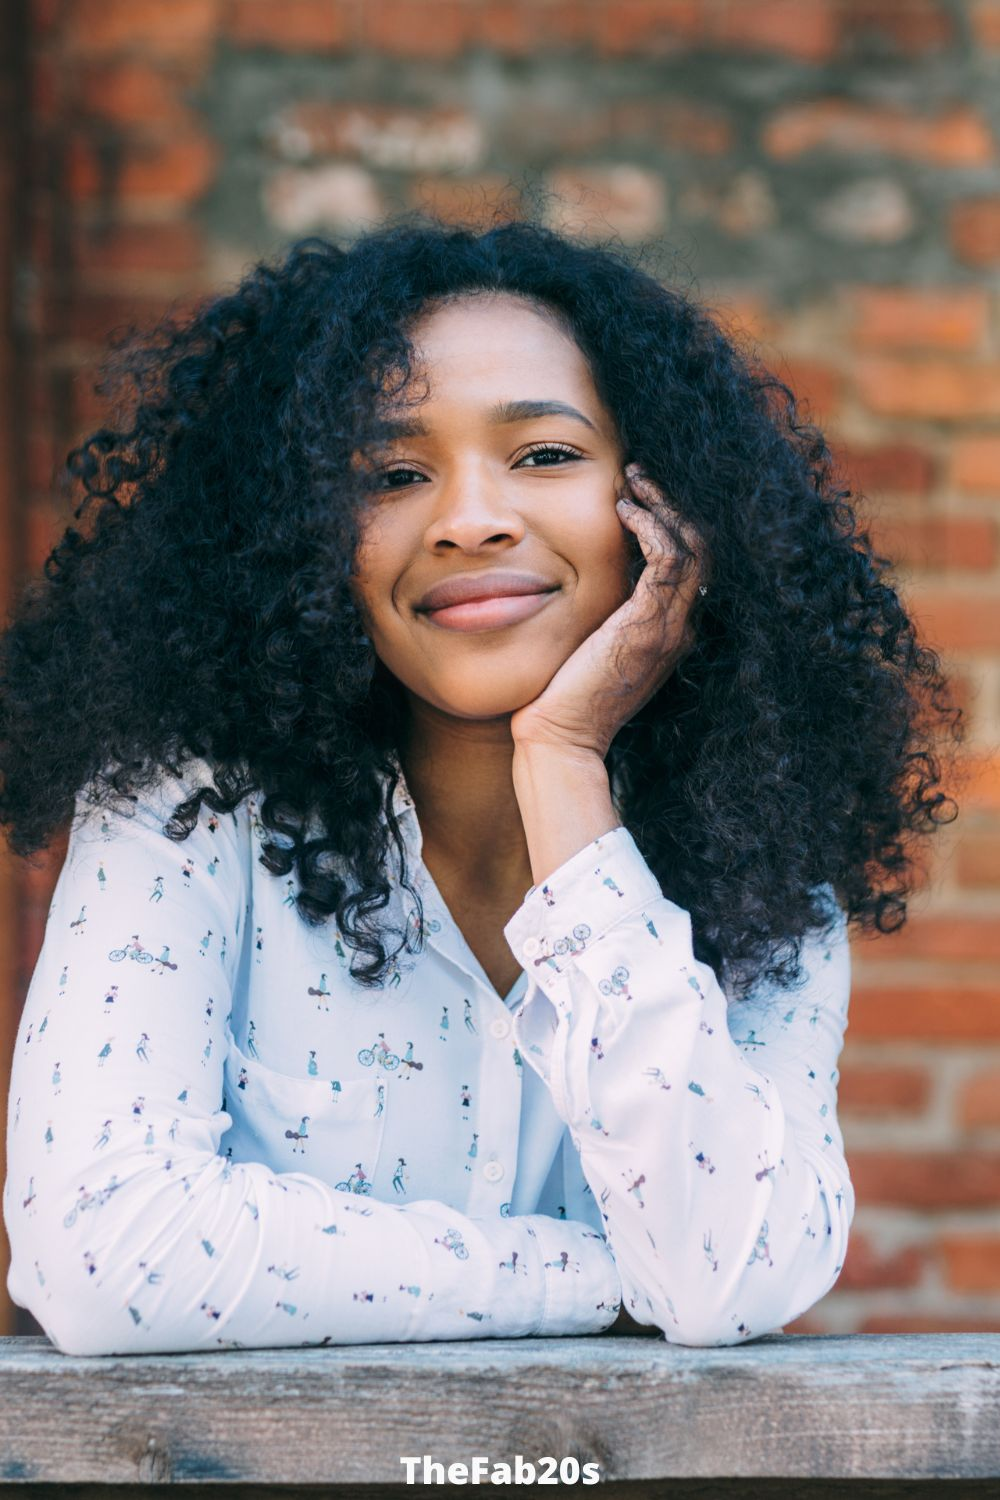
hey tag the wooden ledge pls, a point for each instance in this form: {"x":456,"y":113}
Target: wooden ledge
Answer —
{"x":892,"y":1415}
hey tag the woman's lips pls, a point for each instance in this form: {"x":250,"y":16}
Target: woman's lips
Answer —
{"x":489,"y":614}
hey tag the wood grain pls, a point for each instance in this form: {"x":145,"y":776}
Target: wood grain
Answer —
{"x":920,"y":1410}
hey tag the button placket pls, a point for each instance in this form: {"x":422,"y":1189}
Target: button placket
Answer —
{"x":499,"y":1105}
{"x":494,"y":1170}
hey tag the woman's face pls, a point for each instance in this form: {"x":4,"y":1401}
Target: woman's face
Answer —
{"x":471,"y":494}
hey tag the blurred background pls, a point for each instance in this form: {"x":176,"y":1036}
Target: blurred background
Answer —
{"x":824,"y":174}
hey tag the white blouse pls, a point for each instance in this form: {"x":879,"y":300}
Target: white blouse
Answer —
{"x":217,"y":1138}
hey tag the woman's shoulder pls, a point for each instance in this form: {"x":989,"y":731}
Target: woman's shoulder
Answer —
{"x":155,"y":799}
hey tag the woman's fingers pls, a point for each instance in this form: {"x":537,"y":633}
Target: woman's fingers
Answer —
{"x":654,"y":543}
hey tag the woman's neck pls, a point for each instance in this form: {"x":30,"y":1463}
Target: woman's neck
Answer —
{"x":460,"y":778}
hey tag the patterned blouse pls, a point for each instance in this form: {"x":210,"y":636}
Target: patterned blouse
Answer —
{"x":218,"y":1139}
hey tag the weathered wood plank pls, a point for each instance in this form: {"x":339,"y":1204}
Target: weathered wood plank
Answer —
{"x":643,"y":1489}
{"x":855,"y":1408}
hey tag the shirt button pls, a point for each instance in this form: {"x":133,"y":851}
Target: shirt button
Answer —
{"x":531,"y":946}
{"x":499,"y":1029}
{"x":493,"y":1171}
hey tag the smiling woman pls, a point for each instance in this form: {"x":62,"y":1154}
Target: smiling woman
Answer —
{"x":468,"y":597}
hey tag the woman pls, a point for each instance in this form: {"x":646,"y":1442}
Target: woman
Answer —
{"x":468,"y":597}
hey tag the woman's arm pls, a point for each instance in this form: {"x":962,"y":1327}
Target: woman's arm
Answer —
{"x":130,"y":1233}
{"x":707,"y":1131}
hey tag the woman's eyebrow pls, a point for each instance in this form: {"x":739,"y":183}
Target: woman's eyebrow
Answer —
{"x":502,"y":413}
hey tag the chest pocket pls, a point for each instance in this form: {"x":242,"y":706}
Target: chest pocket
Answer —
{"x":324,"y":1127}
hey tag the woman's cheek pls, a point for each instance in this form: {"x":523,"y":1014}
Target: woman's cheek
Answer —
{"x":620,"y":564}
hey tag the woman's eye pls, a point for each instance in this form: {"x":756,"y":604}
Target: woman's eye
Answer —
{"x":549,"y":448}
{"x":542,"y":450}
{"x":388,"y":474}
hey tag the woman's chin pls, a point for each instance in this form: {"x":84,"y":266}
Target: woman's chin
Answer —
{"x":481,"y":703}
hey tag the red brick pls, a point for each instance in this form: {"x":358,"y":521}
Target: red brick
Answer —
{"x":89,"y":408}
{"x":560,"y":22}
{"x":926,"y":1179}
{"x":82,"y":169}
{"x":42,"y":529}
{"x":965,"y":689}
{"x":905,"y":318}
{"x":740,"y":204}
{"x":182,"y":29}
{"x":178,"y":172}
{"x":653,"y":28}
{"x":294,"y":25}
{"x":911,"y":29}
{"x":955,"y":1012}
{"x":958,"y":621}
{"x":806,"y":29}
{"x":974,"y":228}
{"x":96,"y":316}
{"x":132,"y":92}
{"x":40,"y":233}
{"x":928,"y":1323}
{"x":37,"y":395}
{"x":975,"y":464}
{"x":866,"y":1269}
{"x":981,"y":792}
{"x":886,"y":467}
{"x":977,"y":859}
{"x":418,"y":28}
{"x":46,"y":16}
{"x":971,"y":1262}
{"x":950,"y":938}
{"x":984,"y":17}
{"x":45,"y":87}
{"x":481,"y":201}
{"x":745,"y":315}
{"x":42,"y":458}
{"x":958,"y":136}
{"x":868,"y":1089}
{"x":937,"y":543}
{"x":508,"y":27}
{"x":929,"y":389}
{"x":172,"y":248}
{"x":175,"y":171}
{"x":978,"y":1102}
{"x":816,"y":386}
{"x":809,"y":1324}
{"x":680,"y":125}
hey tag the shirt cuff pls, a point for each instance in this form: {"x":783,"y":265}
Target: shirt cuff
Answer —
{"x":599,"y":886}
{"x":583,"y":1289}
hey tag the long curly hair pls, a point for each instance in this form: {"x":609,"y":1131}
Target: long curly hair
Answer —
{"x":206,"y":611}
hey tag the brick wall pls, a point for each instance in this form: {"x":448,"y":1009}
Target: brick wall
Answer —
{"x":828,"y":172}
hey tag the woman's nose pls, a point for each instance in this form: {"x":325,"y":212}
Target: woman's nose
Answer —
{"x":472,"y":510}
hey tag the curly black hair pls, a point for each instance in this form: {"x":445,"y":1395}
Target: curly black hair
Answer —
{"x":207,"y":611}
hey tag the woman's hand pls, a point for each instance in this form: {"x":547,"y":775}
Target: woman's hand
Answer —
{"x":620,"y":665}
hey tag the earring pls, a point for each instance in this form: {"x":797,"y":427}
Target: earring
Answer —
{"x":702,"y":589}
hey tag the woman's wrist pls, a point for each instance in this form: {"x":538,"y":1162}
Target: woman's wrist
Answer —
{"x":564,"y":795}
